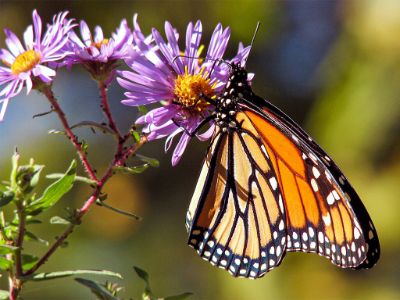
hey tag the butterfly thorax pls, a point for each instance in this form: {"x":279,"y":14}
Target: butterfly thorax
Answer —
{"x":227,"y":104}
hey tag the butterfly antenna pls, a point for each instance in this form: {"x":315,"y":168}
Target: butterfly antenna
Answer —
{"x":255,"y":33}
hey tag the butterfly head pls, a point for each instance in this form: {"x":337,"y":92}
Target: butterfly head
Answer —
{"x":236,"y":88}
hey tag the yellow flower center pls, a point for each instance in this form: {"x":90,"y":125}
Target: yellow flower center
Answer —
{"x":192,"y":90}
{"x":25,"y":62}
{"x":98,"y":44}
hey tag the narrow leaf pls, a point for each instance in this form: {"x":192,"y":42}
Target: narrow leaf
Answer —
{"x":132,"y":170}
{"x":142,"y":109}
{"x":59,"y":220}
{"x":4,"y":295}
{"x":37,"y":169}
{"x":152,"y":161}
{"x":29,"y":236}
{"x":136,"y":136}
{"x":6,"y":197}
{"x":28,"y":261}
{"x":54,"y":131}
{"x":119,"y":211}
{"x":92,"y":124}
{"x":5,"y":249}
{"x":61,"y":274}
{"x":145,"y":277}
{"x":14,"y":163}
{"x":5,"y":264}
{"x":77,"y":178}
{"x":179,"y":297}
{"x":100,"y":291}
{"x":54,"y":192}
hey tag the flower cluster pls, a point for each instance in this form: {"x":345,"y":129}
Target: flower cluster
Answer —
{"x":182,"y":81}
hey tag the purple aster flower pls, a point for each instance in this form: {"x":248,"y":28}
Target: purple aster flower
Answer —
{"x":23,"y":66}
{"x":97,"y":53}
{"x":182,"y":81}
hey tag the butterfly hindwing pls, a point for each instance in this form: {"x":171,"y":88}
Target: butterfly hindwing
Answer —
{"x":234,"y":218}
{"x":266,"y":188}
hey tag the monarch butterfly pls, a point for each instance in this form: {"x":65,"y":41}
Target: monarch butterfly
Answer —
{"x":266,"y":188}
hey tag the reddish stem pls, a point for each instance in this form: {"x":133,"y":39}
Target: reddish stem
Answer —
{"x":119,"y":159}
{"x":106,"y":109}
{"x":74,"y":140}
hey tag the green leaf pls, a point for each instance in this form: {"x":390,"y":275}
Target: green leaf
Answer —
{"x":142,"y":109}
{"x":3,"y":188}
{"x":55,"y":131}
{"x":5,"y":249}
{"x":99,"y":290}
{"x":4,"y":295}
{"x":14,"y":168}
{"x":132,"y":170}
{"x":61,"y":274}
{"x":28,"y":261}
{"x":179,"y":297}
{"x":91,"y":124}
{"x":136,"y":136}
{"x":5,"y":264}
{"x":37,"y":169}
{"x":152,"y":161}
{"x":32,"y":221}
{"x":59,"y":220}
{"x":53,"y":192}
{"x":6,"y":197}
{"x":77,"y":178}
{"x":29,"y":236}
{"x":119,"y":211}
{"x":147,"y":294}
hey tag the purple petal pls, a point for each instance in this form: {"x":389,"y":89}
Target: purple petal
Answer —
{"x":6,"y":56}
{"x":193,"y":37}
{"x":3,"y":108}
{"x":85,"y":33}
{"x":179,"y":149}
{"x":98,"y":34}
{"x":173,"y":43}
{"x":207,"y":134}
{"x":28,"y":37}
{"x":165,"y":50}
{"x":37,"y":24}
{"x":13,"y":43}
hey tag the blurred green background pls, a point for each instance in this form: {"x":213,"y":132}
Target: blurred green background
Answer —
{"x":334,"y":66}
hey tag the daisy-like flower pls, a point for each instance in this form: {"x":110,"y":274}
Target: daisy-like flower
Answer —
{"x":181,"y":80}
{"x":97,"y":53}
{"x":23,"y":66}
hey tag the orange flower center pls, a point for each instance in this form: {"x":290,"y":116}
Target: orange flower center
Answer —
{"x":192,"y":91}
{"x":25,"y":62}
{"x":98,"y":44}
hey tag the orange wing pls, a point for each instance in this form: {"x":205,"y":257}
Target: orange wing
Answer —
{"x":323,"y":213}
{"x":235,"y":218}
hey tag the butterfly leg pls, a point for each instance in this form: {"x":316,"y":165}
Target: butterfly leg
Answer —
{"x":197,"y":129}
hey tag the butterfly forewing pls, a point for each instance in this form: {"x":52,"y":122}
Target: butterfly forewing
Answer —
{"x":234,"y":218}
{"x":266,"y":187}
{"x":320,"y":214}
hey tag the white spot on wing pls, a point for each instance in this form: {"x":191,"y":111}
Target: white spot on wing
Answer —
{"x":314,"y":185}
{"x":357,"y":233}
{"x":316,"y":173}
{"x":330,"y":199}
{"x":327,"y":219}
{"x":273,"y":182}
{"x":336,"y":195}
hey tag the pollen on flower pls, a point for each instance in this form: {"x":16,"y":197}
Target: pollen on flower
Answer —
{"x":191,"y":90}
{"x":99,"y":44}
{"x":25,"y":62}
